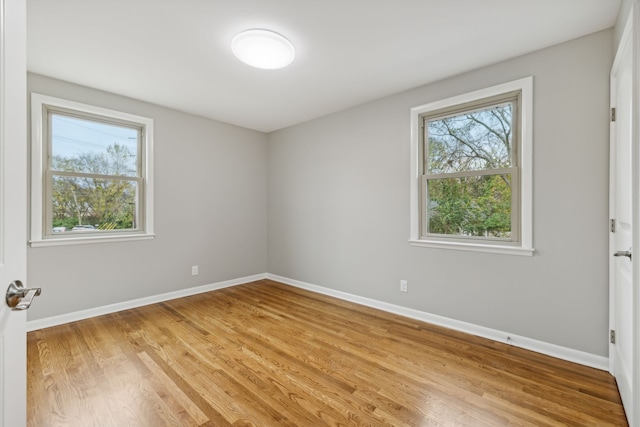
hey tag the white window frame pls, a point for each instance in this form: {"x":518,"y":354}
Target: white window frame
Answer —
{"x":520,"y":246}
{"x":40,"y":106}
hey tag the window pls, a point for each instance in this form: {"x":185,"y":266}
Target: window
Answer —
{"x":91,"y":173}
{"x":471,"y":171}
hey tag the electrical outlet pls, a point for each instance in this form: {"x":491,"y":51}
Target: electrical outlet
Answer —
{"x":404,"y":286}
{"x":194,"y":270}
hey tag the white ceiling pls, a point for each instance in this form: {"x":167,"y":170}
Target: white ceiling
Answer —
{"x":177,"y":53}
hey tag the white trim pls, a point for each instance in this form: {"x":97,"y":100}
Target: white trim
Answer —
{"x":47,"y":322}
{"x":81,"y":240}
{"x":473,"y":247}
{"x":564,"y":353}
{"x":525,"y":246}
{"x":38,"y":102}
{"x":2,"y":361}
{"x":612,"y":215}
{"x":2,"y":146}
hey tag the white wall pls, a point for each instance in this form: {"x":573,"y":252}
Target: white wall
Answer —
{"x":339,"y":206}
{"x":210,"y":204}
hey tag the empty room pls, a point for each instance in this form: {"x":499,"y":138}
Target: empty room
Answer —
{"x":310,"y":213}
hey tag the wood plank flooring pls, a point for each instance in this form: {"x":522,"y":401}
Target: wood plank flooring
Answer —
{"x":266,"y":354}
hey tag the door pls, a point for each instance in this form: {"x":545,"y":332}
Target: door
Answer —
{"x":13,"y":208}
{"x":624,"y":210}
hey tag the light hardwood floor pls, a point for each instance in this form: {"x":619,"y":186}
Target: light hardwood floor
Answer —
{"x":266,"y":354}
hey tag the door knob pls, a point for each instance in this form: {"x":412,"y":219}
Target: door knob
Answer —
{"x":624,"y":253}
{"x":20,"y":298}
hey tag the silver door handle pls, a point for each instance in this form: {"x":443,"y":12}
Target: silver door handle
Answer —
{"x":624,"y":253}
{"x":20,"y":298}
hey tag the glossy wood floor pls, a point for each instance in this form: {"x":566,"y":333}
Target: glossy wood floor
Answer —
{"x":266,"y":354}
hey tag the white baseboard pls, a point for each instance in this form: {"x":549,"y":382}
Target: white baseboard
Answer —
{"x":564,"y":353}
{"x":47,"y":322}
{"x":571,"y":355}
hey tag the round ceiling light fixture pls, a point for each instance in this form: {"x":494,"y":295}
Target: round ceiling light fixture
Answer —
{"x":263,"y":49}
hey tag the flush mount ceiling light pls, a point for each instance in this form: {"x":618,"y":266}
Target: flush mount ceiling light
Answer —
{"x":263,"y":49}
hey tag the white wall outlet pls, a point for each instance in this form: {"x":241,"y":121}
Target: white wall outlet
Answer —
{"x":194,"y":270}
{"x":404,"y":286}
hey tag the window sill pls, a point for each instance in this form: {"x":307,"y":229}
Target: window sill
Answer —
{"x":474,"y":247}
{"x":82,"y":240}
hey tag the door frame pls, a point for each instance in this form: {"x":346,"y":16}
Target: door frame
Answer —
{"x":631,"y":34}
{"x":13,"y":208}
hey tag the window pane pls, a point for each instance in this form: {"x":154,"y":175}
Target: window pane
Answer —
{"x":470,"y":206}
{"x":87,"y":146}
{"x":475,"y":140}
{"x":90,"y":204}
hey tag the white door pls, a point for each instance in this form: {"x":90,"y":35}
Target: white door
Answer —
{"x":13,"y":208}
{"x":624,"y":210}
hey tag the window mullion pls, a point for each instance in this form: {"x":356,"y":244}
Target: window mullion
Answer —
{"x":471,"y":170}
{"x":464,"y":174}
{"x":461,"y":144}
{"x":95,"y":176}
{"x":72,"y":204}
